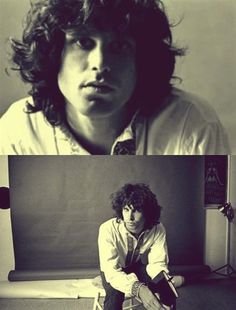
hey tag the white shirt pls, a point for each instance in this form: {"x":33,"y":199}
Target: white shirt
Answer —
{"x":185,"y":125}
{"x":113,"y":249}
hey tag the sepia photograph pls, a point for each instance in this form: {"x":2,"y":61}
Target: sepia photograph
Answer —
{"x":88,"y":77}
{"x":98,"y":232}
{"x":152,"y":79}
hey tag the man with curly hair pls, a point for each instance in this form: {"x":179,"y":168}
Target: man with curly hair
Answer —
{"x":100,"y":73}
{"x":133,"y":249}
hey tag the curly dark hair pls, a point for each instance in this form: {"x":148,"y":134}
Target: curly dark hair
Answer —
{"x":38,"y":55}
{"x":141,"y":198}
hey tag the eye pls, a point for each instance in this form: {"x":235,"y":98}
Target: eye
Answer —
{"x":85,"y":43}
{"x":126,"y":209}
{"x":121,"y":46}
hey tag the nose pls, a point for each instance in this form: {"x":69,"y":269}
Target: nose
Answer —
{"x":99,"y":59}
{"x":131,"y":215}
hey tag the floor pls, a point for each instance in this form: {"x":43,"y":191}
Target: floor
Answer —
{"x":211,"y":294}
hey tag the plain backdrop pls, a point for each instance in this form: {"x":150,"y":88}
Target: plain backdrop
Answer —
{"x":59,"y":228}
{"x":207,"y":29}
{"x":215,"y":222}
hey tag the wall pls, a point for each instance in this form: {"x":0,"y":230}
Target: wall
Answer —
{"x":216,"y":237}
{"x":233,"y":202}
{"x":209,"y":68}
{"x":207,"y":29}
{"x":58,"y":204}
{"x":12,"y":14}
{"x":6,"y":248}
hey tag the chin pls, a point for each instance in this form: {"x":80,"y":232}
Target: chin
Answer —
{"x":98,"y":108}
{"x":135,"y":231}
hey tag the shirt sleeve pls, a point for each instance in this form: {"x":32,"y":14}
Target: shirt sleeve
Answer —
{"x":23,"y":133}
{"x":14,"y":129}
{"x":158,"y":253}
{"x":110,"y":263}
{"x":6,"y":147}
{"x":211,"y":139}
{"x":203,"y":132}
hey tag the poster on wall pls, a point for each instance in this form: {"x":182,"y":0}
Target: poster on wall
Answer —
{"x":215,"y":180}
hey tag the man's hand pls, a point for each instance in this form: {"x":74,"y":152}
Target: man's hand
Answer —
{"x":149,"y":300}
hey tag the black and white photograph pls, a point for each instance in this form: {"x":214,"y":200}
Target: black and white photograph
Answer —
{"x":77,"y":237}
{"x":153,"y":81}
{"x":118,"y":77}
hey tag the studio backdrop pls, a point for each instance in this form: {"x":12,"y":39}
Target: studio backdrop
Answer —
{"x":58,"y":203}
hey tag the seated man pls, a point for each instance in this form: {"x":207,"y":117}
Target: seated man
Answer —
{"x":101,"y":83}
{"x":133,"y":249}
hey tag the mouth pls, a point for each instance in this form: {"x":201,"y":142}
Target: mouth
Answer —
{"x":131,"y":224}
{"x":96,"y":87}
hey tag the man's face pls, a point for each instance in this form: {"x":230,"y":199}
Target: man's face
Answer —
{"x":97,"y":76}
{"x":133,"y":219}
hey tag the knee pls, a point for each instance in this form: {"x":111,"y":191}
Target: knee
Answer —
{"x":112,"y":293}
{"x":113,"y":300}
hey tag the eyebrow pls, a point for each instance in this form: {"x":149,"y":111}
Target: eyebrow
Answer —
{"x":90,"y":31}
{"x":131,"y":207}
{"x":127,"y":206}
{"x":83,"y":29}
{"x":76,"y":32}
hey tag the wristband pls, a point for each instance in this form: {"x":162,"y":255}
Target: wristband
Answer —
{"x":136,"y":287}
{"x":142,"y":284}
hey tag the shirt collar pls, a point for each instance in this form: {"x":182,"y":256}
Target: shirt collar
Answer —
{"x":125,"y":231}
{"x":123,"y":144}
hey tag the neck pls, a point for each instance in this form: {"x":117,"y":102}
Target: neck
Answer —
{"x":136,"y":235}
{"x":96,"y":134}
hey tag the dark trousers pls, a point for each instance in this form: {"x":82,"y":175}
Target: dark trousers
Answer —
{"x":114,"y":298}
